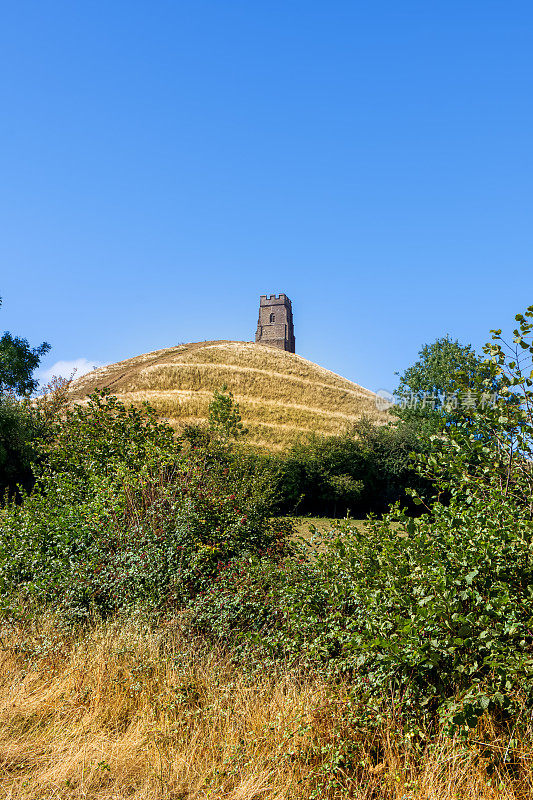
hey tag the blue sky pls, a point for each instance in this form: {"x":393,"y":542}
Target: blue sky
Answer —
{"x":164,"y":163}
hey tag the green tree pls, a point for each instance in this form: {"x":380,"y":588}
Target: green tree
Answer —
{"x":18,"y":361}
{"x":224,"y":419}
{"x":490,"y":447}
{"x":446,"y":375}
{"x":18,"y":431}
{"x":366,"y":469}
{"x":20,"y":422}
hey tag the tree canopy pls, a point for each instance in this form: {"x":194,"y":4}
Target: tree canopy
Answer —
{"x":447,"y":375}
{"x":18,"y":362}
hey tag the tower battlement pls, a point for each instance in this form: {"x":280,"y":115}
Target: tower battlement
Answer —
{"x":275,"y":326}
{"x":266,"y":300}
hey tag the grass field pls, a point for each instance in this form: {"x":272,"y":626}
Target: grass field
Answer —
{"x":132,"y":711}
{"x":315,"y":529}
{"x":281,"y":395}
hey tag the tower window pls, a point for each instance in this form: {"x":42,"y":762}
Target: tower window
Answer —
{"x":272,"y":318}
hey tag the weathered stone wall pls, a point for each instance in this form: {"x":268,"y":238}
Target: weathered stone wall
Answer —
{"x":275,"y":326}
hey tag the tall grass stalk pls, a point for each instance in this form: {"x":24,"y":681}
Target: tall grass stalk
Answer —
{"x":131,"y":709}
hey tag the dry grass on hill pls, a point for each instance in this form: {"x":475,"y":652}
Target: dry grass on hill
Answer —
{"x":132,"y":712}
{"x":281,"y":395}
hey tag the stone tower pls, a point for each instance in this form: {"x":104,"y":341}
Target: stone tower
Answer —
{"x":275,"y":326}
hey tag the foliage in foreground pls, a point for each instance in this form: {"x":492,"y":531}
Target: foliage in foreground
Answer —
{"x":436,"y":612}
{"x":133,"y":710}
{"x":122,"y":514}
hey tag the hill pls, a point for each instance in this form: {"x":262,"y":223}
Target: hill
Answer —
{"x":281,"y":395}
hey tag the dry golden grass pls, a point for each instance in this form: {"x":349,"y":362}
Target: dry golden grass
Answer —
{"x":281,"y":395}
{"x":129,"y":711}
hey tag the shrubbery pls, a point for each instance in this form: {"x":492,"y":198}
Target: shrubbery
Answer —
{"x":18,"y":430}
{"x":121,"y":514}
{"x":21,"y":424}
{"x":25,"y":427}
{"x":436,"y":612}
{"x":362,"y":471}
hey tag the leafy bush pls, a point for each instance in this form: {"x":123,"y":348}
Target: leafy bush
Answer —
{"x":436,"y":612}
{"x":121,"y":514}
{"x":274,"y":609}
{"x":224,"y":419}
{"x":25,"y":427}
{"x":363,"y":471}
{"x":18,"y":429}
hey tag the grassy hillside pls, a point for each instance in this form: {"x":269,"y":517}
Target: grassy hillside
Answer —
{"x":280,"y":394}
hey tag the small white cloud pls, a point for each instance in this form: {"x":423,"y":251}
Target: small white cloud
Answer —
{"x":65,"y":369}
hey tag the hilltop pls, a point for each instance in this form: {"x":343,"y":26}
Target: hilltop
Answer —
{"x":281,"y":394}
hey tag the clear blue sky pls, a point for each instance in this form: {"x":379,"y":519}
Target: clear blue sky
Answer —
{"x":164,"y":163}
